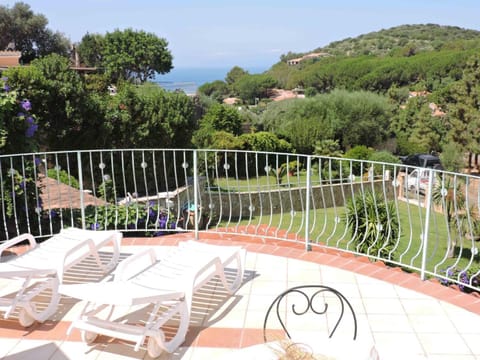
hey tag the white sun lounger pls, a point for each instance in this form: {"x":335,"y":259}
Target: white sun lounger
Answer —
{"x":168,"y":283}
{"x":40,"y":270}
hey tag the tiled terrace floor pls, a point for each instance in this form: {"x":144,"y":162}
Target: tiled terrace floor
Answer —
{"x":397,"y":311}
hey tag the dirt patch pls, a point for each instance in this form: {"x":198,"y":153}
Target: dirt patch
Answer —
{"x":281,"y":94}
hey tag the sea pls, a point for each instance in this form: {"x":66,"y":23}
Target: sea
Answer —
{"x":189,"y":79}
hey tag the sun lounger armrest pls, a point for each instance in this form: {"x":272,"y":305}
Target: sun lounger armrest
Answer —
{"x":63,"y":262}
{"x":16,"y":240}
{"x":203,"y":274}
{"x":127,"y":268}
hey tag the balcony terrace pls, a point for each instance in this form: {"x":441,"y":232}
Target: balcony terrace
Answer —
{"x":391,"y":250}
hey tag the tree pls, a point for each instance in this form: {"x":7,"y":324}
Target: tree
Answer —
{"x":217,"y":90}
{"x":219,"y":117}
{"x":250,"y":87}
{"x":147,"y":117}
{"x":351,"y":118}
{"x":452,"y":157}
{"x":90,"y":49}
{"x":303,"y":133}
{"x":235,"y":74}
{"x":27,"y":32}
{"x":427,"y":130}
{"x":225,"y":118}
{"x":359,"y":118}
{"x":464,"y":111}
{"x":135,"y":55}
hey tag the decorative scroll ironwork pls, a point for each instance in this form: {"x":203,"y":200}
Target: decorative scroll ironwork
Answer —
{"x":312,"y":302}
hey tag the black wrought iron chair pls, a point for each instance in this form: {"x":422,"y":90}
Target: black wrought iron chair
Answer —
{"x":309,"y":297}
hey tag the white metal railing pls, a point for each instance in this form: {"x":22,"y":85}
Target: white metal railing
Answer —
{"x":430,"y":225}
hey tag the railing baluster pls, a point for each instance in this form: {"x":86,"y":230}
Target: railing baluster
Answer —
{"x":307,"y":204}
{"x":427,"y":224}
{"x":80,"y":185}
{"x":195,"y":191}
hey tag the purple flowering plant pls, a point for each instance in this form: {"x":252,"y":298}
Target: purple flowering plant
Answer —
{"x":466,"y":279}
{"x":17,"y":129}
{"x":17,"y":124}
{"x":150,"y":218}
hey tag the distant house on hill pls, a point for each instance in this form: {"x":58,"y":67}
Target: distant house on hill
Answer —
{"x":9,"y":58}
{"x":436,"y":110}
{"x":297,"y":61}
{"x":422,"y":93}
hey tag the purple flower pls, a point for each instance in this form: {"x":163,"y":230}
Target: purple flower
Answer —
{"x":38,"y":161}
{"x":31,"y":130}
{"x":6,"y":88}
{"x":95,"y":226}
{"x":30,"y":120}
{"x":53,"y":213}
{"x":162,"y":223}
{"x":20,"y":114}
{"x":26,"y":105}
{"x":22,"y":184}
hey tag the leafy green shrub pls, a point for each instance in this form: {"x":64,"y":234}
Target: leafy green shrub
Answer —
{"x":18,"y":128}
{"x":142,"y":217}
{"x":452,"y":157}
{"x":383,"y":157}
{"x":359,"y":152}
{"x":106,"y":190}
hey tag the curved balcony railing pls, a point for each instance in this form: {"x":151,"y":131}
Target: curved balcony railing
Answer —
{"x":426,"y":224}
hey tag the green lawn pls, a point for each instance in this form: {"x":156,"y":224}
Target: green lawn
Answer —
{"x":270,"y":181}
{"x":328,"y":227}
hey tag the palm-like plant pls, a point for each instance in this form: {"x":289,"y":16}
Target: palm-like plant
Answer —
{"x":373,"y":223}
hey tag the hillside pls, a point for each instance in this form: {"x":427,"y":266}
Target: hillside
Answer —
{"x":408,"y":38}
{"x":400,"y":40}
{"x":428,"y":55}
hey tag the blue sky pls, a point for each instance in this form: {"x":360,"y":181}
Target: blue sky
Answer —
{"x":247,"y":33}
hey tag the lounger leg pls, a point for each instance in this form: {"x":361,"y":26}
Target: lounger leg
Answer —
{"x":156,"y":342}
{"x":240,"y":260}
{"x":28,"y":311}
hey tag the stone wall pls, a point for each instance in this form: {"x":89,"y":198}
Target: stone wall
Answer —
{"x":240,"y":204}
